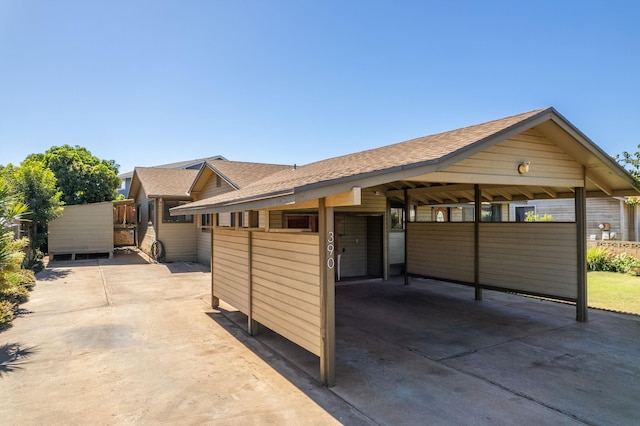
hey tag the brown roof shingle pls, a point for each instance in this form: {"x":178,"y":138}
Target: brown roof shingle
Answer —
{"x":162,"y":182}
{"x":242,"y":173}
{"x":400,"y":155}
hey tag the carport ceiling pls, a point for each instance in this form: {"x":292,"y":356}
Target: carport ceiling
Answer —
{"x":436,"y":193}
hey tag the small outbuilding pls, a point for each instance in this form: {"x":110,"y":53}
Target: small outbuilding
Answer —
{"x":82,"y":229}
{"x":388,"y":210}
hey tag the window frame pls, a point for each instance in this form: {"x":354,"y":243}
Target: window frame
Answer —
{"x":166,"y":216}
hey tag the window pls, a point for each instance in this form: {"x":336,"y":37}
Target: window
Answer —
{"x":397,"y":218}
{"x":151,"y":211}
{"x":440,"y":214}
{"x":491,"y":213}
{"x":239,"y":217}
{"x":205,"y":222}
{"x":218,"y":181}
{"x":166,"y":214}
{"x":139,"y":213}
{"x":301,"y":221}
{"x":521,"y":212}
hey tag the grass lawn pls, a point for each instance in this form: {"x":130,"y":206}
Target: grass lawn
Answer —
{"x":613,"y":291}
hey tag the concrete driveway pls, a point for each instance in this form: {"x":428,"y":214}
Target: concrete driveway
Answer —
{"x":121,"y":341}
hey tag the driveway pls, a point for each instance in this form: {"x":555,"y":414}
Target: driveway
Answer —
{"x":119,"y":341}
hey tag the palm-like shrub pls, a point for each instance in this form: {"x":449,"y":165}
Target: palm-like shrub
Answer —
{"x":12,"y":292}
{"x":599,"y":259}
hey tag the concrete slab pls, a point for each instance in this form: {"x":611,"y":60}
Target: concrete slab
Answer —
{"x":122,"y":341}
{"x":430,"y":354}
{"x":107,"y":343}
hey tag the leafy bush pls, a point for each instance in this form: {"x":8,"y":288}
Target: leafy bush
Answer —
{"x":6,"y":314}
{"x":532,"y":217}
{"x":599,"y":259}
{"x":14,"y":294}
{"x":26,"y":278}
{"x":624,"y":263}
{"x":33,"y":260}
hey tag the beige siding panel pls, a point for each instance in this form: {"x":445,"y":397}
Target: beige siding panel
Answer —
{"x":211,"y":190}
{"x":298,"y":332}
{"x":370,"y":203}
{"x":286,"y":286}
{"x":275,"y":219}
{"x":230,"y":268}
{"x":86,"y":228}
{"x":531,"y":257}
{"x":547,"y":160}
{"x":441,"y":250}
{"x":604,"y":210}
{"x":302,"y":275}
{"x":599,"y":210}
{"x":178,"y":239}
{"x":224,"y":219}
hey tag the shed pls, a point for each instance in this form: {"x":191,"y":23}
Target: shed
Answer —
{"x":368,"y":203}
{"x":82,"y":229}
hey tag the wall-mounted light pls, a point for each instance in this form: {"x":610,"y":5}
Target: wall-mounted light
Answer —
{"x":377,"y":193}
{"x":524,"y":167}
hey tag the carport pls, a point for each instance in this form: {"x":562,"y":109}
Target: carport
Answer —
{"x":284,"y":278}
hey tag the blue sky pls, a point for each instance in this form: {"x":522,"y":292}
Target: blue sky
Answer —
{"x":151,"y":82}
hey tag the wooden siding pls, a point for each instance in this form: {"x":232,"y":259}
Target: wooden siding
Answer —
{"x":532,"y":257}
{"x":179,"y":239}
{"x":275,"y":219}
{"x":370,"y":203}
{"x":211,"y":190}
{"x":86,"y":228}
{"x":286,"y":286}
{"x":224,"y":219}
{"x":562,"y":210}
{"x":538,"y":258}
{"x":499,"y":163}
{"x":230,"y":267}
{"x":599,"y":210}
{"x":441,"y":250}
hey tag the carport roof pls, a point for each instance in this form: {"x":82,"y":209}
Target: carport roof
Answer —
{"x":420,"y":156}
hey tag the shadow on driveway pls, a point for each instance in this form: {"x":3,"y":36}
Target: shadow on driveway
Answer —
{"x":13,"y":356}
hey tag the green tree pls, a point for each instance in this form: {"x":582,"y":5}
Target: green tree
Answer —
{"x":36,"y":185}
{"x":631,"y":162}
{"x":81,"y":177}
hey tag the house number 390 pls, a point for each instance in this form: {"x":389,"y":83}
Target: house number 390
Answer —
{"x":330,"y":248}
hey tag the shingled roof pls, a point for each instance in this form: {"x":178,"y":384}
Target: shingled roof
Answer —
{"x":163,"y":182}
{"x":434,"y":152}
{"x":239,"y":174}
